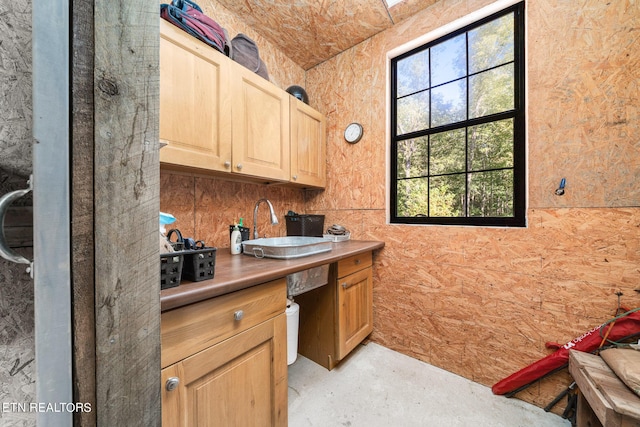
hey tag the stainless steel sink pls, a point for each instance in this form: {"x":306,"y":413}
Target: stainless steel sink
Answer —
{"x":288,"y":247}
{"x":306,"y":280}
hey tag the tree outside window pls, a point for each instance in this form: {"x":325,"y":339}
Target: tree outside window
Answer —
{"x":457,"y":113}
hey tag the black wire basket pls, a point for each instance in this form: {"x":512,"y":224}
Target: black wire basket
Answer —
{"x":305,"y":225}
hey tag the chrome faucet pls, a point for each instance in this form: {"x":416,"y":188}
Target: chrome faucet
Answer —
{"x":274,"y":218}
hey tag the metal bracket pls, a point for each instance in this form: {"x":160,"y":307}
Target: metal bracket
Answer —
{"x":5,"y":251}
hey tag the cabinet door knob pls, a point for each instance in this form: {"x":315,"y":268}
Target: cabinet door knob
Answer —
{"x":295,"y":177}
{"x":344,"y":285}
{"x":227,"y":164}
{"x":238,"y":315}
{"x":239,"y":166}
{"x":172,"y":383}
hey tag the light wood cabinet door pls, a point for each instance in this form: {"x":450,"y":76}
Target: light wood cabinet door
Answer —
{"x":172,"y":396}
{"x":308,"y":145}
{"x":335,"y":318}
{"x":355,"y":310}
{"x":260,"y":125}
{"x":241,"y":381}
{"x":195,"y":107}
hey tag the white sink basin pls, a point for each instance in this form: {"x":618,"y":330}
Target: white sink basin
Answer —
{"x":286,"y":247}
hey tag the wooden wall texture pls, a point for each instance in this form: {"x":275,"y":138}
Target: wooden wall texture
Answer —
{"x":310,"y":32}
{"x":82,"y":212}
{"x":17,"y":340}
{"x":126,"y":205}
{"x":479,"y":302}
{"x":482,"y":302}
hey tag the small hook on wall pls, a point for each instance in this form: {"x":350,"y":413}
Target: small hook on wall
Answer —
{"x":560,"y":189}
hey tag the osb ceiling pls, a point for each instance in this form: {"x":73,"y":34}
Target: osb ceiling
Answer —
{"x":312,"y":31}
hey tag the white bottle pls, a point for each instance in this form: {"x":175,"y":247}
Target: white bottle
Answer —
{"x":236,"y":241}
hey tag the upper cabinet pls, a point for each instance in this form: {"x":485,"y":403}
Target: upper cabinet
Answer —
{"x":219,"y":117}
{"x":195,"y":102}
{"x":308,"y":145}
{"x":260,"y":126}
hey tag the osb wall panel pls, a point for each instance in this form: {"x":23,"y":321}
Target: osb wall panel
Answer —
{"x":584,"y":74}
{"x":17,"y":339}
{"x":311,"y":32}
{"x":485,"y":313}
{"x":15,"y":88}
{"x":408,"y":8}
{"x":482,"y":302}
{"x":346,"y":90}
{"x":205,"y":207}
{"x":283,"y":72}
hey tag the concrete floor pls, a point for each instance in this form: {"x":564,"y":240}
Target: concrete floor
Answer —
{"x":378,"y":387}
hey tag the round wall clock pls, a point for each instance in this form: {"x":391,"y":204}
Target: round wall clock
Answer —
{"x":353,"y":133}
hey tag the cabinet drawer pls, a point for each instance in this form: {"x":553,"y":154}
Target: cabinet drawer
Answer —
{"x":353,"y":264}
{"x":187,"y":330}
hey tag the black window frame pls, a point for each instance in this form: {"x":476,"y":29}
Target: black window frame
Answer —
{"x":517,"y":114}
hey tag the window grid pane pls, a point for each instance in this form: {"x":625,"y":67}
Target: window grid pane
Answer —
{"x":459,"y":127}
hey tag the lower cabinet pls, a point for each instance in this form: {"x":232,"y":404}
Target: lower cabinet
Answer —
{"x":335,"y":318}
{"x":240,"y":380}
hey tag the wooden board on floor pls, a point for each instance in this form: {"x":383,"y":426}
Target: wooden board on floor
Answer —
{"x":610,"y":399}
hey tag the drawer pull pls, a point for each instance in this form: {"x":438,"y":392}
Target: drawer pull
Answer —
{"x":345,"y":285}
{"x":357,"y":261}
{"x":238,"y":315}
{"x":172,"y":383}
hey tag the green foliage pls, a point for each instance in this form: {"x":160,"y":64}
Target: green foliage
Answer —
{"x":413,"y":200}
{"x":466,"y":171}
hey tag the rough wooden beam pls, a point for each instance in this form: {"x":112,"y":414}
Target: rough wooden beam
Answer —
{"x":82,"y":256}
{"x":126,"y":207}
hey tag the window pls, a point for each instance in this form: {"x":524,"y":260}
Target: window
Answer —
{"x":457,"y":127}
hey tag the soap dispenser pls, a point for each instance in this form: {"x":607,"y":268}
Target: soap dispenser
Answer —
{"x":236,"y":241}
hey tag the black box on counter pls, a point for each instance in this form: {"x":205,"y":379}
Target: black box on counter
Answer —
{"x":199,"y":264}
{"x":170,"y":269}
{"x":194,"y":265}
{"x":305,"y":225}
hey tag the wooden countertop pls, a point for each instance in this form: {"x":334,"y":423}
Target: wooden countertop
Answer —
{"x":236,"y":272}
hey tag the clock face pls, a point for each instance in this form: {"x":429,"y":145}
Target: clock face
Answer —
{"x":353,"y":133}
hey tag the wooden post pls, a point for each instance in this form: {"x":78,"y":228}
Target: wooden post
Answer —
{"x":126,"y":203}
{"x":82,"y":229}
